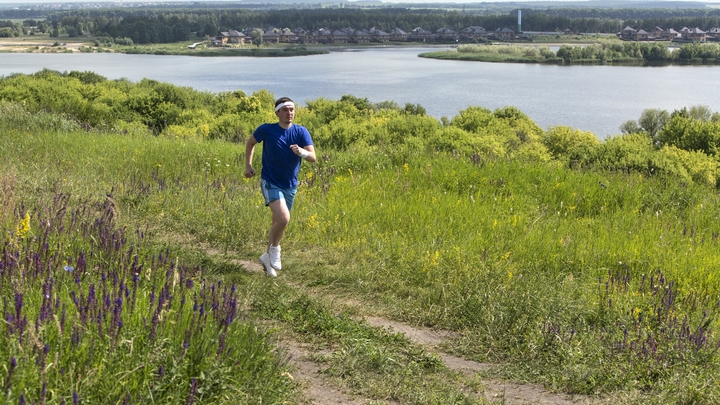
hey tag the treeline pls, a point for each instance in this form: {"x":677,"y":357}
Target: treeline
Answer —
{"x":705,"y":23}
{"x":628,"y":13}
{"x":161,"y":26}
{"x":9,"y":29}
{"x":646,"y":52}
{"x":683,"y":143}
{"x":610,"y":52}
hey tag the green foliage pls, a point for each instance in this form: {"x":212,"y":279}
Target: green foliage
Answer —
{"x":605,"y":51}
{"x":691,"y":165}
{"x":569,"y":144}
{"x":13,"y":116}
{"x":652,"y":121}
{"x":93,"y":102}
{"x":627,"y":153}
{"x":688,"y":133}
{"x":630,"y":127}
{"x":97,"y":102}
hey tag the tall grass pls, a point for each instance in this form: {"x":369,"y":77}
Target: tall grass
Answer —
{"x":95,"y":312}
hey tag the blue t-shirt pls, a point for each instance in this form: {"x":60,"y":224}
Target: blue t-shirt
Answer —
{"x":280,"y":166}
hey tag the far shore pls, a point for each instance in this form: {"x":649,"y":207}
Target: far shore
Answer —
{"x":87,"y":45}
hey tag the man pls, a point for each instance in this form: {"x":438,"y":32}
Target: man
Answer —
{"x":285,"y":146}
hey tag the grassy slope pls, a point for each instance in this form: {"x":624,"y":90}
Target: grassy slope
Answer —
{"x":537,"y":266}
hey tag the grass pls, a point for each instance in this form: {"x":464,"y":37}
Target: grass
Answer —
{"x":589,"y":283}
{"x":145,"y":184}
{"x":497,"y":53}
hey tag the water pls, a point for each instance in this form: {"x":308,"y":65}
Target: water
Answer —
{"x":591,"y":98}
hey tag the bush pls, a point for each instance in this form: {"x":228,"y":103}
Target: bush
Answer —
{"x":632,"y":152}
{"x":569,"y":144}
{"x":690,"y":165}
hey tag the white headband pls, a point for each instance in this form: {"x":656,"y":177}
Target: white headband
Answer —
{"x":285,"y":104}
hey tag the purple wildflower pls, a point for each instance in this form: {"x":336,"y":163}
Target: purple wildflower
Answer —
{"x":186,"y":342}
{"x":193,"y":391}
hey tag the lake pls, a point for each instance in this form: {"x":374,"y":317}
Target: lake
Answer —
{"x":591,"y":98}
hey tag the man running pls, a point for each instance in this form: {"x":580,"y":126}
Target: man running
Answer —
{"x":285,"y":146}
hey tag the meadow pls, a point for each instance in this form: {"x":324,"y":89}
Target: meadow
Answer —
{"x":589,"y":267}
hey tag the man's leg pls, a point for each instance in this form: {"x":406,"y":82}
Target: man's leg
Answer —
{"x":280,"y":221}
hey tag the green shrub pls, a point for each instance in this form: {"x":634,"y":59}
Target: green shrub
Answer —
{"x":569,"y":144}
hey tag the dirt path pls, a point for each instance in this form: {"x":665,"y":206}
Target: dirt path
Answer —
{"x":504,"y":392}
{"x":320,"y":392}
{"x":317,"y":391}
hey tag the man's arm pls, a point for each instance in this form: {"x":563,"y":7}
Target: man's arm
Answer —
{"x":249,"y":151}
{"x":310,"y":150}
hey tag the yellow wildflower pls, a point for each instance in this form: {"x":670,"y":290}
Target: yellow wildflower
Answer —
{"x":24,"y":227}
{"x":312,"y":222}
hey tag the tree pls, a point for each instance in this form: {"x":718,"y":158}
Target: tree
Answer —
{"x":630,"y":127}
{"x":700,"y":113}
{"x":414,"y":109}
{"x":652,"y":120}
{"x":256,"y":36}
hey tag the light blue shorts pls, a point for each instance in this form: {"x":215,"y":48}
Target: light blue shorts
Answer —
{"x":272,"y":193}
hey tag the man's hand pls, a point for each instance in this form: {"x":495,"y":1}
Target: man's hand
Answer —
{"x":296,"y":149}
{"x":249,"y":171}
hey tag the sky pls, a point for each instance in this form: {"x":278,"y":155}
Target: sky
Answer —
{"x":16,"y":2}
{"x":5,"y":3}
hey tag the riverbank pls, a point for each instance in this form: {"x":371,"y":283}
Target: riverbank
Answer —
{"x":621,"y":54}
{"x":46,"y":44}
{"x":52,"y":45}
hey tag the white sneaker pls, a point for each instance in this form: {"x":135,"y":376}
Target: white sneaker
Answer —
{"x":265,"y":260}
{"x":275,"y":257}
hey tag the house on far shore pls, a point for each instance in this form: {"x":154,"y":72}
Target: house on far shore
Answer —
{"x":271,"y":36}
{"x":358,"y":36}
{"x":420,"y":34}
{"x":398,"y":35}
{"x":287,"y":36}
{"x":473,"y":32}
{"x":231,"y":37}
{"x":504,"y":34}
{"x":694,"y":35}
{"x":322,"y":35}
{"x":669,"y":35}
{"x":713,"y":34}
{"x":303,"y":36}
{"x":446,"y":34}
{"x":378,"y":35}
{"x":641,"y":35}
{"x":628,"y":33}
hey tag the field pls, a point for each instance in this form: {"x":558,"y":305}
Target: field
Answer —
{"x":124,"y":269}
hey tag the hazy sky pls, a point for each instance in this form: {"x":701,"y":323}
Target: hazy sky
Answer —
{"x":16,"y":2}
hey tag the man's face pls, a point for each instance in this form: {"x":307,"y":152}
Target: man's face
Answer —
{"x":286,"y":114}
